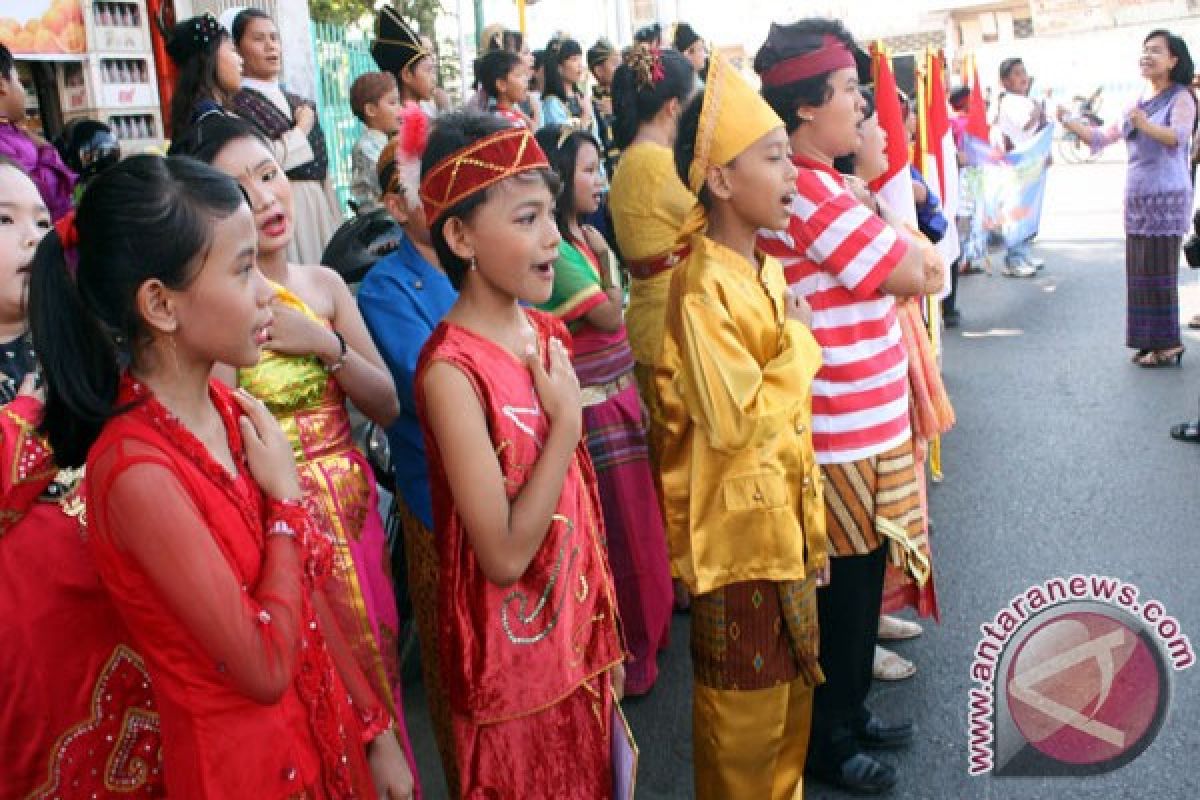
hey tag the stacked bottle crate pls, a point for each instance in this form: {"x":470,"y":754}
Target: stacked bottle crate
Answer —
{"x":115,"y":82}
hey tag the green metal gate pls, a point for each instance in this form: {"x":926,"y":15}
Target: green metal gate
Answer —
{"x":342,"y":54}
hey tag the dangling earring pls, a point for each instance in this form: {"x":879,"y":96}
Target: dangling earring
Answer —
{"x":474,"y":266}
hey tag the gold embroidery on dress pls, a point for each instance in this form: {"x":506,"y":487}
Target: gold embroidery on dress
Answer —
{"x":521,"y":599}
{"x":133,"y":754}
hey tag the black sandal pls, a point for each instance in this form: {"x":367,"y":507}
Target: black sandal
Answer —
{"x":1186,"y":432}
{"x":1162,"y":358}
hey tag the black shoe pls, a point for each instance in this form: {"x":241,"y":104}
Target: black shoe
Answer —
{"x":950,"y":318}
{"x":859,"y":774}
{"x":876,"y":734}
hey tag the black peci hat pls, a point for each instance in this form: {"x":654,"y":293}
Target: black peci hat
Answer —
{"x":396,"y":44}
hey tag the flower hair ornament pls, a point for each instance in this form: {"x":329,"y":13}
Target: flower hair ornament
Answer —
{"x":646,"y":62}
{"x":68,"y":239}
{"x":193,"y":37}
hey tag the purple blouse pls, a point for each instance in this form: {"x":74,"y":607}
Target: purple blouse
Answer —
{"x":1158,"y":183}
{"x":40,"y":161}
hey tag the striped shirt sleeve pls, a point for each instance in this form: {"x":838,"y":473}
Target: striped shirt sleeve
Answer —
{"x":852,"y":243}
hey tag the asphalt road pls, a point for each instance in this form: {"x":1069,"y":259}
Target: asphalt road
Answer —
{"x":1060,"y":464}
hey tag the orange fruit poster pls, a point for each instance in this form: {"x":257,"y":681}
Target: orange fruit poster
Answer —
{"x":43,"y":28}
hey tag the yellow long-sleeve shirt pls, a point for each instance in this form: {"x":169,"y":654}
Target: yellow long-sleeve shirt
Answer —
{"x":741,"y":488}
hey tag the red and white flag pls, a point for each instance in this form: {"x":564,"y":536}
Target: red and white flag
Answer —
{"x":940,"y":161}
{"x":894,"y":186}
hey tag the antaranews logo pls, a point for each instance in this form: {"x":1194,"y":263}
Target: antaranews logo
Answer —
{"x":1073,"y":677}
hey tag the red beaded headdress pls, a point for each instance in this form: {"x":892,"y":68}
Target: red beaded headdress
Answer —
{"x":476,"y":167}
{"x":832,"y":54}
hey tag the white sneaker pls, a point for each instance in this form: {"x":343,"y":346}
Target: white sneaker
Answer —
{"x":1035,"y":262}
{"x":1019,"y":271}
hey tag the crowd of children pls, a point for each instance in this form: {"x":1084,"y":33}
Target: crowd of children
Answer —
{"x":699,"y":388}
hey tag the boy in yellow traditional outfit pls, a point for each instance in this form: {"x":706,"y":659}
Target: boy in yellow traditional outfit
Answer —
{"x":742,"y":491}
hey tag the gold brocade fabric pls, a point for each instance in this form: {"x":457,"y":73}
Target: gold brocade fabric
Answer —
{"x":751,"y":744}
{"x":742,"y":492}
{"x":340,"y":489}
{"x":648,"y":203}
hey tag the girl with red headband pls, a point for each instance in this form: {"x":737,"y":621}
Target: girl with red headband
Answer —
{"x":530,"y":651}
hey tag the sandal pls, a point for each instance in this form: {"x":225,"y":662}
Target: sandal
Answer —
{"x":1186,"y":432}
{"x":894,"y":629}
{"x":1138,"y":356}
{"x":890,"y":667}
{"x":1162,"y":358}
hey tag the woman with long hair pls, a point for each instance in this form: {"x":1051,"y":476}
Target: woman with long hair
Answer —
{"x":1158,"y":133}
{"x":562,"y":98}
{"x":290,"y":123}
{"x":195,"y":512}
{"x":588,"y":298}
{"x":210,"y":71}
{"x":317,"y":354}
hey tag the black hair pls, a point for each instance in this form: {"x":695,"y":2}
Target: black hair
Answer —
{"x":650,"y":34}
{"x":147,"y":218}
{"x":789,"y":41}
{"x":451,"y":133}
{"x":1184,"y":69}
{"x":243,"y":20}
{"x":564,"y":160}
{"x":205,"y":140}
{"x":960,"y":98}
{"x":846,"y":164}
{"x":495,"y":66}
{"x":7,"y":64}
{"x":685,"y":36}
{"x":197,"y":76}
{"x":1008,"y":65}
{"x":637,"y":101}
{"x":557,"y":52}
{"x":685,"y":145}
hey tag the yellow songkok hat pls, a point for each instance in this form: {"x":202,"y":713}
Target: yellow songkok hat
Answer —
{"x":732,"y":118}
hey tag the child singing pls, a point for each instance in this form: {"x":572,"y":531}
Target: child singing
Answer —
{"x":529,"y":648}
{"x":741,"y":488}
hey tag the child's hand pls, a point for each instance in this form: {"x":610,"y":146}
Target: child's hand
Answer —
{"x":31,"y":388}
{"x":797,"y":308}
{"x":618,"y":681}
{"x":268,"y":452}
{"x":389,"y":768}
{"x":295,"y":334}
{"x":558,"y":389}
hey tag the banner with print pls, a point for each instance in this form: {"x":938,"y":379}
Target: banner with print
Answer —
{"x":1002,"y":193}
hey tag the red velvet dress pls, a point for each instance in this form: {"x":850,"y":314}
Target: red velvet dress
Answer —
{"x":77,"y":718}
{"x":525,"y":667}
{"x":233,"y":627}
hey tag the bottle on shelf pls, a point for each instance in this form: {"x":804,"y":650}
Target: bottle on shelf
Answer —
{"x":103,"y":15}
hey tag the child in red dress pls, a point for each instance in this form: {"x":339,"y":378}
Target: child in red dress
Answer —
{"x":529,"y":648}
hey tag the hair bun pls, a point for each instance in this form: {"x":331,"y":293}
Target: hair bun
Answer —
{"x":192,"y":37}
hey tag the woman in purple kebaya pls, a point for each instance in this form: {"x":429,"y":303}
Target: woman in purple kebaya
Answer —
{"x":1158,"y":133}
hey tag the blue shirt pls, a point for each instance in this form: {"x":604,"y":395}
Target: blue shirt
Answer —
{"x":930,"y":219}
{"x":402,"y":300}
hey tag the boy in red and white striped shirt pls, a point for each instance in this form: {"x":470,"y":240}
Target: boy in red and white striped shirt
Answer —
{"x":842,"y":254}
